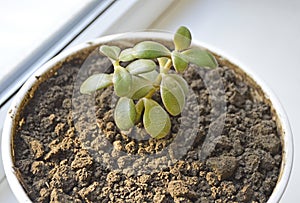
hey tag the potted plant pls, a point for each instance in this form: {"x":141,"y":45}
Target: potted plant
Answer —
{"x":164,"y":121}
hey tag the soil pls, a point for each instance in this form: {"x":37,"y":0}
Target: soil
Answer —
{"x":68,"y":149}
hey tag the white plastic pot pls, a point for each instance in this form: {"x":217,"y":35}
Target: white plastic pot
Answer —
{"x":8,"y":131}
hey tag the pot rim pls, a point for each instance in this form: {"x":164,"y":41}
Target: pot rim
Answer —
{"x":7,"y":156}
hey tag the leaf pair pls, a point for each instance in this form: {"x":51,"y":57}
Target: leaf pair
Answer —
{"x":145,"y":50}
{"x":155,"y":119}
{"x":195,"y":56}
{"x":142,"y":50}
{"x":121,"y":79}
{"x":134,"y":81}
{"x":182,"y":55}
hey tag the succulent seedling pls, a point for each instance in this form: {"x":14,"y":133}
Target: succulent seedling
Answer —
{"x":136,"y":83}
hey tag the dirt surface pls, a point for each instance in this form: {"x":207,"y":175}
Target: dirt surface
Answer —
{"x":68,"y":149}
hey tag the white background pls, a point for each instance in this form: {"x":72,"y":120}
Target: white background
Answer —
{"x":25,"y":25}
{"x":262,"y":34}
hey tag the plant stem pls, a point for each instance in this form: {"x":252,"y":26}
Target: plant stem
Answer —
{"x":166,"y":67}
{"x":139,"y":110}
{"x":116,"y":63}
{"x":157,"y":81}
{"x":156,"y":84}
{"x":151,"y":92}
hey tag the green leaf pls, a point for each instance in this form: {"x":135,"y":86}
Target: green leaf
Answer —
{"x":182,"y":38}
{"x":181,"y":81}
{"x":127,"y":55}
{"x":172,"y":95}
{"x":141,"y":66}
{"x":156,"y":120}
{"x":95,"y":82}
{"x":201,"y":58}
{"x":150,"y":76}
{"x":122,"y":81}
{"x":179,"y":62}
{"x":111,"y":52}
{"x":151,"y":50}
{"x":140,"y":87}
{"x":125,"y":113}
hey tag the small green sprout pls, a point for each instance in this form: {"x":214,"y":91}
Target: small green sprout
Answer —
{"x":137,"y":82}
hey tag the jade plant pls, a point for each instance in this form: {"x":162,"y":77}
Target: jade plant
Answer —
{"x":147,"y":71}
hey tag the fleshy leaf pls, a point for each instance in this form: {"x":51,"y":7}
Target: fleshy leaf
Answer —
{"x":111,"y":52}
{"x":125,"y":113}
{"x":150,"y":50}
{"x":182,"y":82}
{"x":179,"y":62}
{"x":140,"y":87}
{"x":141,"y":66}
{"x":150,"y":76}
{"x":122,"y":81}
{"x":182,"y":38}
{"x":95,"y":82}
{"x":156,"y":120}
{"x":201,"y":58}
{"x":127,"y":55}
{"x":172,"y":95}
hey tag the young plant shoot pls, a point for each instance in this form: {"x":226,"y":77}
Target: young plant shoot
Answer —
{"x":137,"y":82}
